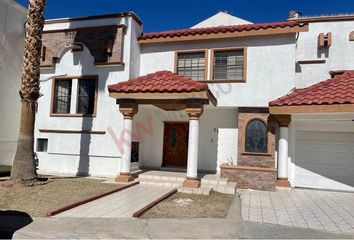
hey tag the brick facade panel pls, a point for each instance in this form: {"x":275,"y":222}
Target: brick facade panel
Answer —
{"x":250,"y":179}
{"x":244,"y":115}
{"x":95,"y":39}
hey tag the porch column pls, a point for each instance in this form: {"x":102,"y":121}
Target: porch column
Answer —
{"x":194,"y":109}
{"x":128,"y":109}
{"x":283,"y":150}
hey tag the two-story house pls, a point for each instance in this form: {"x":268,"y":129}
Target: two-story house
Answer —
{"x":198,"y":100}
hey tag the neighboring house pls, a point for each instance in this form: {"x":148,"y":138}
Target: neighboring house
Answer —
{"x":12,"y":37}
{"x":196,"y":100}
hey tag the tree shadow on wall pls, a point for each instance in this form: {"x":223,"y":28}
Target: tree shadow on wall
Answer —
{"x":101,"y":44}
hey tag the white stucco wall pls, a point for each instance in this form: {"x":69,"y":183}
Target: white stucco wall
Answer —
{"x":12,"y":18}
{"x":135,"y":51}
{"x":221,"y":19}
{"x":227,"y":146}
{"x":270,"y":67}
{"x":151,"y":146}
{"x":338,"y":56}
{"x":78,"y":153}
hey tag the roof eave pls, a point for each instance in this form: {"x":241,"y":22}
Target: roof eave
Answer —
{"x":322,"y":19}
{"x":221,"y":35}
{"x":328,"y":108}
{"x":95,"y":17}
{"x":151,"y":97}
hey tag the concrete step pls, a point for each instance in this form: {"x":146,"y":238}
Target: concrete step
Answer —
{"x":201,"y":190}
{"x":164,"y":183}
{"x":153,"y":177}
{"x":230,"y":188}
{"x":214,"y":180}
{"x":208,"y":182}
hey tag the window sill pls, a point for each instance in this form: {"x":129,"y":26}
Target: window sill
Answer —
{"x":62,"y":131}
{"x":312,"y":61}
{"x":256,"y":154}
{"x":119,"y":64}
{"x":72,"y":115}
{"x":223,"y":81}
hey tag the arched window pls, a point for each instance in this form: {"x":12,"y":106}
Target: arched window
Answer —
{"x":256,"y":137}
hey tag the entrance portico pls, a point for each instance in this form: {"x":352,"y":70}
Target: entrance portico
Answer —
{"x":170,"y":92}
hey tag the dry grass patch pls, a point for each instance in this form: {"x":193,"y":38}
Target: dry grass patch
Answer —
{"x":57,"y":193}
{"x":182,"y":205}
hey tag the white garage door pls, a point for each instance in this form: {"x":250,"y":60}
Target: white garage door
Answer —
{"x":324,"y":160}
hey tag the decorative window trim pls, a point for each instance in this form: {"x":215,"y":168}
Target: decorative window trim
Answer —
{"x":244,"y":77}
{"x":79,"y":78}
{"x":206,"y":60}
{"x":243,"y":138}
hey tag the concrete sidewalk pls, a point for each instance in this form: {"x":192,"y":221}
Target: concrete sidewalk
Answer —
{"x":231,"y":227}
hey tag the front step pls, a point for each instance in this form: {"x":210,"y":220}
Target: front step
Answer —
{"x":175,"y":179}
{"x":201,"y":190}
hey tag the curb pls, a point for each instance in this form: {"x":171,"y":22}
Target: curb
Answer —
{"x":140,"y":212}
{"x":76,"y":204}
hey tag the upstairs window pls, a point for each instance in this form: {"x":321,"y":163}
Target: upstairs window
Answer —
{"x":62,"y":96}
{"x":75,"y":96}
{"x":86,"y":96}
{"x":192,"y":65}
{"x":229,"y":65}
{"x":256,"y":137}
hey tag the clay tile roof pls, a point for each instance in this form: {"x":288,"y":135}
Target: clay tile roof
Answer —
{"x":159,"y":82}
{"x":337,"y":90}
{"x":219,"y":29}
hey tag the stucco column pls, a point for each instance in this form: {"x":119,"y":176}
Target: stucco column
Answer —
{"x":194,"y":110}
{"x":128,"y":109}
{"x":283,"y":150}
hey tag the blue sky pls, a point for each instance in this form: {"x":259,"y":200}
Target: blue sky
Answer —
{"x":161,"y":15}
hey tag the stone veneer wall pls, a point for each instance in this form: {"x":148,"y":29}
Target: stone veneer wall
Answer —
{"x":254,"y":171}
{"x":263,"y":160}
{"x":250,"y":177}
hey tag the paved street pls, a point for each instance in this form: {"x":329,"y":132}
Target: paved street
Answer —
{"x":313,"y":209}
{"x":120,"y":204}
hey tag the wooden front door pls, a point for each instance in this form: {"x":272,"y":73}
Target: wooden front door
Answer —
{"x":175,"y":145}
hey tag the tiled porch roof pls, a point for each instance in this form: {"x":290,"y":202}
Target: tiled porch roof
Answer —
{"x":159,"y":82}
{"x":337,"y":90}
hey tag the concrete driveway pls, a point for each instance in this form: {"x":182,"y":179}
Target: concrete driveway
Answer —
{"x":322,"y":210}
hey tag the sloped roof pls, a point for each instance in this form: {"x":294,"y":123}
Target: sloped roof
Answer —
{"x":159,"y":82}
{"x":219,"y":29}
{"x":337,"y":90}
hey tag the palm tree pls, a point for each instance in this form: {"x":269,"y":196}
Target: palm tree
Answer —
{"x":24,"y":167}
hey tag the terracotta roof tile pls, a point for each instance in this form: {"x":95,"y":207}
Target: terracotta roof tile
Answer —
{"x":159,"y":82}
{"x":337,"y":90}
{"x":223,"y":29}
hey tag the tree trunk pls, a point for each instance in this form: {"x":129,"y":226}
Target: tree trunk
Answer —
{"x":24,"y":165}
